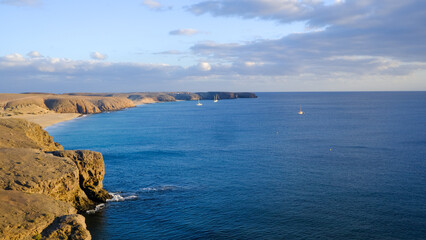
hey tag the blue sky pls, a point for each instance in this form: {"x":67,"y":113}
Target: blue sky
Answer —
{"x":217,"y":45}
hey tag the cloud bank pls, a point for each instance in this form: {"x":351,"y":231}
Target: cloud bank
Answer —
{"x":361,"y":39}
{"x":358,"y":45}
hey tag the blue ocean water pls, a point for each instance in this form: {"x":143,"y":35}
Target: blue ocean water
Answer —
{"x":352,"y":167}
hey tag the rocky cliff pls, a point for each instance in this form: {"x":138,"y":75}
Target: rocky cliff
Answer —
{"x":12,"y":104}
{"x":19,"y":133}
{"x":38,"y":216}
{"x":225,"y":95}
{"x":91,"y":171}
{"x":45,"y":186}
{"x":87,"y":103}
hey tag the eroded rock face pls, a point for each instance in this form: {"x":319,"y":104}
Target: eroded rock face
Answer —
{"x":92,"y":171}
{"x":40,"y":192}
{"x":19,"y":133}
{"x":67,"y":227}
{"x":24,"y":216}
{"x":33,"y":171}
{"x":86,"y":104}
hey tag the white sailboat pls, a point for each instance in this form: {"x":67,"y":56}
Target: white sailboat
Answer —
{"x":216,"y":98}
{"x":300,"y":110}
{"x":199,"y":104}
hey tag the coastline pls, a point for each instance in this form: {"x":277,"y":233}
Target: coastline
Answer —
{"x":48,"y":109}
{"x":49,"y":119}
{"x":34,"y":168}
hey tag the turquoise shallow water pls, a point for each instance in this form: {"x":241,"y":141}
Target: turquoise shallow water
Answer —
{"x":352,"y":167}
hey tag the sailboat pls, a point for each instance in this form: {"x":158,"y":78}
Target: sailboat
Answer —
{"x":216,"y":98}
{"x":300,"y":110}
{"x":199,"y":104}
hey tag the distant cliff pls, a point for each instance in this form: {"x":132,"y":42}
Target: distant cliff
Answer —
{"x":226,"y":95}
{"x":69,"y":104}
{"x":87,"y":103}
{"x":42,"y":187}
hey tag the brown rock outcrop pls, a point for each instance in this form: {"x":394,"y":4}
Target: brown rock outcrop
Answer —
{"x":19,"y":133}
{"x":33,"y":171}
{"x":25,"y":216}
{"x":67,"y":227}
{"x":86,"y":104}
{"x":49,"y":184}
{"x":91,"y":168}
{"x":15,"y":104}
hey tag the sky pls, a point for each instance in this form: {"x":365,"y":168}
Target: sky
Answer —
{"x":212,"y":45}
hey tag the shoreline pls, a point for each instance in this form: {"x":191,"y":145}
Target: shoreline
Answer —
{"x":48,"y":119}
{"x":35,"y":169}
{"x":52,"y":118}
{"x":47,"y":109}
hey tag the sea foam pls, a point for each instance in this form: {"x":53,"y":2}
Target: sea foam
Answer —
{"x":97,"y":208}
{"x":118,"y":198}
{"x":160,"y":188}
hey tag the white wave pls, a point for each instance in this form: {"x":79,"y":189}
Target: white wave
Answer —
{"x":118,"y":198}
{"x":159,"y":188}
{"x":97,"y":208}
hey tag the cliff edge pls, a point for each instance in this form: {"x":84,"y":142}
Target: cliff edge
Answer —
{"x":43,"y":187}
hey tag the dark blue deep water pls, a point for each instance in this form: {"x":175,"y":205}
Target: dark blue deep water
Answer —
{"x":352,"y":167}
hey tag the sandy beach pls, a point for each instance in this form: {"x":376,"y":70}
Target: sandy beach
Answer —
{"x":47,"y":109}
{"x":38,"y":115}
{"x":48,"y":119}
{"x":32,"y":107}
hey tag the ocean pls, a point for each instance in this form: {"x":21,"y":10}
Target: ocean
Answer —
{"x":352,"y":167}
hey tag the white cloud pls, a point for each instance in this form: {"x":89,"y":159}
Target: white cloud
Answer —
{"x":361,"y":38}
{"x":152,"y":4}
{"x":184,"y":32}
{"x":34,"y":54}
{"x":20,"y":74}
{"x":155,"y":5}
{"x":14,"y":57}
{"x":367,"y":45}
{"x":253,"y":64}
{"x":170,"y":52}
{"x":204,"y":66}
{"x":98,"y":56}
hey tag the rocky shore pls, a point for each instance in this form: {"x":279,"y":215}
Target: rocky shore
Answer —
{"x":44,"y":188}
